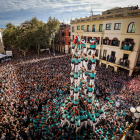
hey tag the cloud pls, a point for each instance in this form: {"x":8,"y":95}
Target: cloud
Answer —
{"x":21,"y":10}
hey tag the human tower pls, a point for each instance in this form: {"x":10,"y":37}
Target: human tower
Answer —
{"x":81,"y":108}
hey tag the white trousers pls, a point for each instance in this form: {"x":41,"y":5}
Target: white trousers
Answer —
{"x":84,"y":63}
{"x":84,"y":50}
{"x":85,"y":90}
{"x":71,"y":92}
{"x":79,"y":66}
{"x":73,"y":125}
{"x":76,"y":68}
{"x":72,"y":66}
{"x":86,"y":67}
{"x":93,"y":66}
{"x":89,"y":94}
{"x":88,"y":121}
{"x":92,"y":51}
{"x":79,"y":52}
{"x":80,"y":76}
{"x":90,"y":105}
{"x":91,"y":81}
{"x":72,"y":79}
{"x":85,"y":78}
{"x":76,"y":82}
{"x":76,"y":95}
{"x":81,"y":124}
{"x":77,"y":128}
{"x":94,"y":124}
{"x":73,"y":51}
{"x":85,"y":122}
{"x":91,"y":123}
{"x":63,"y":122}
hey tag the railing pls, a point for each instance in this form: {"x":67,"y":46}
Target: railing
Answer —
{"x":63,"y":43}
{"x":138,"y":64}
{"x":124,"y":62}
{"x":108,"y":58}
{"x":111,"y":42}
{"x":93,"y":30}
{"x":127,"y":48}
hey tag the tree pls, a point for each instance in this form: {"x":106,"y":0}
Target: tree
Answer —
{"x":30,"y":33}
{"x":9,"y":35}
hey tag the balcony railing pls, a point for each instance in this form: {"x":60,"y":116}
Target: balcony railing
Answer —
{"x":124,"y":62}
{"x":127,"y":48}
{"x":108,"y":58}
{"x":128,"y":45}
{"x":93,"y":30}
{"x":111,"y":42}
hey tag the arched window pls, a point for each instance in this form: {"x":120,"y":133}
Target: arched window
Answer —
{"x":106,"y":41}
{"x":131,"y":27}
{"x":115,"y":42}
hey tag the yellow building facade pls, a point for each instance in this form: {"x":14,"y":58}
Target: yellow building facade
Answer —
{"x":118,"y":32}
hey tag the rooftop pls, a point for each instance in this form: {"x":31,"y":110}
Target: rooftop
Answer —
{"x":116,"y":12}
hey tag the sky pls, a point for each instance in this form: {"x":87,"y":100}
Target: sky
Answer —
{"x":18,"y":11}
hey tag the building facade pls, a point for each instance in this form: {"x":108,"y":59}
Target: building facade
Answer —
{"x":1,"y":42}
{"x":118,"y":34}
{"x":62,"y":39}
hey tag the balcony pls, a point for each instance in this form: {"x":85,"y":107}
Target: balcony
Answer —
{"x":126,"y":48}
{"x":115,"y":42}
{"x":63,"y":43}
{"x":128,"y":45}
{"x":110,"y":59}
{"x":124,"y":62}
{"x":138,"y":64}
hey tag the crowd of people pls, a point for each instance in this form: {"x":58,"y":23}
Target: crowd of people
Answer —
{"x":33,"y":93}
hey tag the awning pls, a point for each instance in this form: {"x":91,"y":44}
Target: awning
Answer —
{"x":2,"y":55}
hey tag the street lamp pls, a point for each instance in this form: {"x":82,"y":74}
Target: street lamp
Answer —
{"x":53,"y":36}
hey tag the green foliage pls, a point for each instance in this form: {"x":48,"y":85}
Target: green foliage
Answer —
{"x":30,"y":33}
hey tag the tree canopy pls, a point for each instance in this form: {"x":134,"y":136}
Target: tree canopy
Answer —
{"x":30,"y":33}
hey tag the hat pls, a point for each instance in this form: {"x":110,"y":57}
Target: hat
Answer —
{"x":82,"y":41}
{"x":92,"y":40}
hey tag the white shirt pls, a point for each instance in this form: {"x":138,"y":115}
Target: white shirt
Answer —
{"x":117,"y":104}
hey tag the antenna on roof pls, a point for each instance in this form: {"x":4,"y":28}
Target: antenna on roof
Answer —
{"x":91,"y":11}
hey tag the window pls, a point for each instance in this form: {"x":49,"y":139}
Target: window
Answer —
{"x":87,"y":28}
{"x":93,"y":30}
{"x":108,"y":26}
{"x":82,"y":27}
{"x":63,"y":34}
{"x":72,"y":37}
{"x":97,"y":51}
{"x":117,"y":26}
{"x":78,"y":27}
{"x":73,"y":29}
{"x":104,"y":54}
{"x":131,"y":28}
{"x":100,"y":27}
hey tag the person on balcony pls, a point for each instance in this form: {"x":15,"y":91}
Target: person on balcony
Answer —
{"x":131,"y":45}
{"x":108,"y":57}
